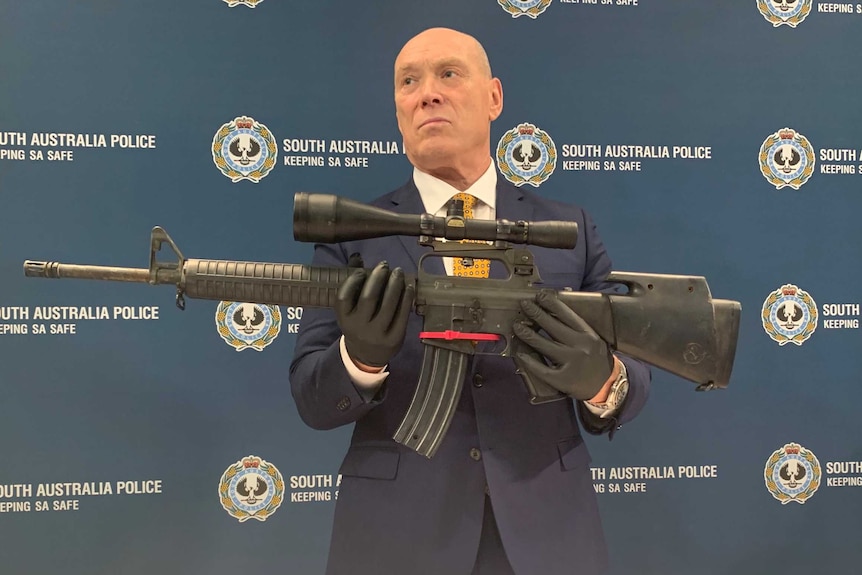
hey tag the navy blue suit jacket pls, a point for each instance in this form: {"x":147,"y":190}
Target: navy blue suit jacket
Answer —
{"x":400,"y":513}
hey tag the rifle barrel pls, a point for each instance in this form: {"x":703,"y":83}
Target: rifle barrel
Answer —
{"x":252,"y":282}
{"x":35,"y":269}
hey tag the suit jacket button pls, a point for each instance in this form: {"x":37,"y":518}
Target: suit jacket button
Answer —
{"x":343,"y":403}
{"x":475,"y":454}
{"x":478,"y":380}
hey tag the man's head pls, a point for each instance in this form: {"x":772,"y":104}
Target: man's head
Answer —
{"x":445,"y":100}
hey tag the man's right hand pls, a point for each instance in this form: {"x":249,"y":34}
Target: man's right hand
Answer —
{"x":372,"y":310}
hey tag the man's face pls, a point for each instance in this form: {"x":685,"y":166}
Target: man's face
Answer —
{"x":445,"y":99}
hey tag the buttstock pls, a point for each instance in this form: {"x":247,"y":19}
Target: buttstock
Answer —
{"x":672,"y":322}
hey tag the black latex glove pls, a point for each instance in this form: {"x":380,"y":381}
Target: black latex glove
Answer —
{"x":372,"y":310}
{"x":579,"y":362}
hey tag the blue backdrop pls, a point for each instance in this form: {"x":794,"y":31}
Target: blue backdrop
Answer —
{"x":716,"y":139}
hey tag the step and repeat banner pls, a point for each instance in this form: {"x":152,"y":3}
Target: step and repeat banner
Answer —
{"x":705,"y":138}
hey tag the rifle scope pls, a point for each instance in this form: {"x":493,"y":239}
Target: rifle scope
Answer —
{"x":328,"y":218}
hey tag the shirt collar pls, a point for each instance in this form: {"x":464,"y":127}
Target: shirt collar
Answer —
{"x":435,"y":193}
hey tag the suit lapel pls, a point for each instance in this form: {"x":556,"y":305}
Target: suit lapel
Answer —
{"x":406,"y":200}
{"x":511,"y":202}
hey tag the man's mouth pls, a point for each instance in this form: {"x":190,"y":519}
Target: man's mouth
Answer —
{"x":432,"y":121}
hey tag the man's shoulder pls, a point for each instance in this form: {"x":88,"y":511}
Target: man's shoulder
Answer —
{"x":408,"y":195}
{"x":543,"y":206}
{"x":405,"y":192}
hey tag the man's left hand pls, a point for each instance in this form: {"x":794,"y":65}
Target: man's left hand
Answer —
{"x":579,"y":362}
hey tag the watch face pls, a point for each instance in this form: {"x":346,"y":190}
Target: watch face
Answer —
{"x":621,"y":395}
{"x":618,"y":391}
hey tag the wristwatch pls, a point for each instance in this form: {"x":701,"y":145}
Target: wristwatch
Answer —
{"x":616,"y":395}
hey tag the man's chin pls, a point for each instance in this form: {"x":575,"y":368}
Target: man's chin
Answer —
{"x":429,"y":158}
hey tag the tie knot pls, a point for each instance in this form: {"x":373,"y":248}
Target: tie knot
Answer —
{"x":469,"y":203}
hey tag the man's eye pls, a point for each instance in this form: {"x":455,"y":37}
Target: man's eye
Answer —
{"x":449,"y":74}
{"x":407,"y":81}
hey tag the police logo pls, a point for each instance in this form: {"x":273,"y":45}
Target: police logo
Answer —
{"x":251,"y":489}
{"x":248,"y":325}
{"x":249,"y":3}
{"x":531,"y":8}
{"x":786,"y":159}
{"x":790,"y":12}
{"x":526,"y":155}
{"x":789,"y":315}
{"x":244,"y":149}
{"x":792,"y":473}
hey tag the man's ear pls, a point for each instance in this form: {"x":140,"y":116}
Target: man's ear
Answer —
{"x":496,"y":96}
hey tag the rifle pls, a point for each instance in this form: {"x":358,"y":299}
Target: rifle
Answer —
{"x":669,"y":321}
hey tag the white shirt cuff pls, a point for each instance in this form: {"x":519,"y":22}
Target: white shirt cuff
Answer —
{"x":362,"y":379}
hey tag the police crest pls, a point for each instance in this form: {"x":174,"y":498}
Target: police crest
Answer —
{"x":251,"y":489}
{"x":248,"y":325}
{"x":789,"y":12}
{"x":792,"y":473}
{"x":786,"y":159}
{"x":249,"y":3}
{"x":244,"y":149}
{"x":789,"y":315}
{"x":526,"y":155}
{"x":531,"y":8}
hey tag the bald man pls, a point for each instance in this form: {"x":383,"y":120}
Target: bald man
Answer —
{"x":509,"y":490}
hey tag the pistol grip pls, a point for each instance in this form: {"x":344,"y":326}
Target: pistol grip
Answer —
{"x":540,"y":392}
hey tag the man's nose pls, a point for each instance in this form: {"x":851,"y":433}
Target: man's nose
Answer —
{"x":431,"y":93}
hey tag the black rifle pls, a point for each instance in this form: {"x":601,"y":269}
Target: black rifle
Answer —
{"x":669,"y":321}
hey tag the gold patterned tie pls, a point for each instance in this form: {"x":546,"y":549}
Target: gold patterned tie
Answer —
{"x":480,"y":268}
